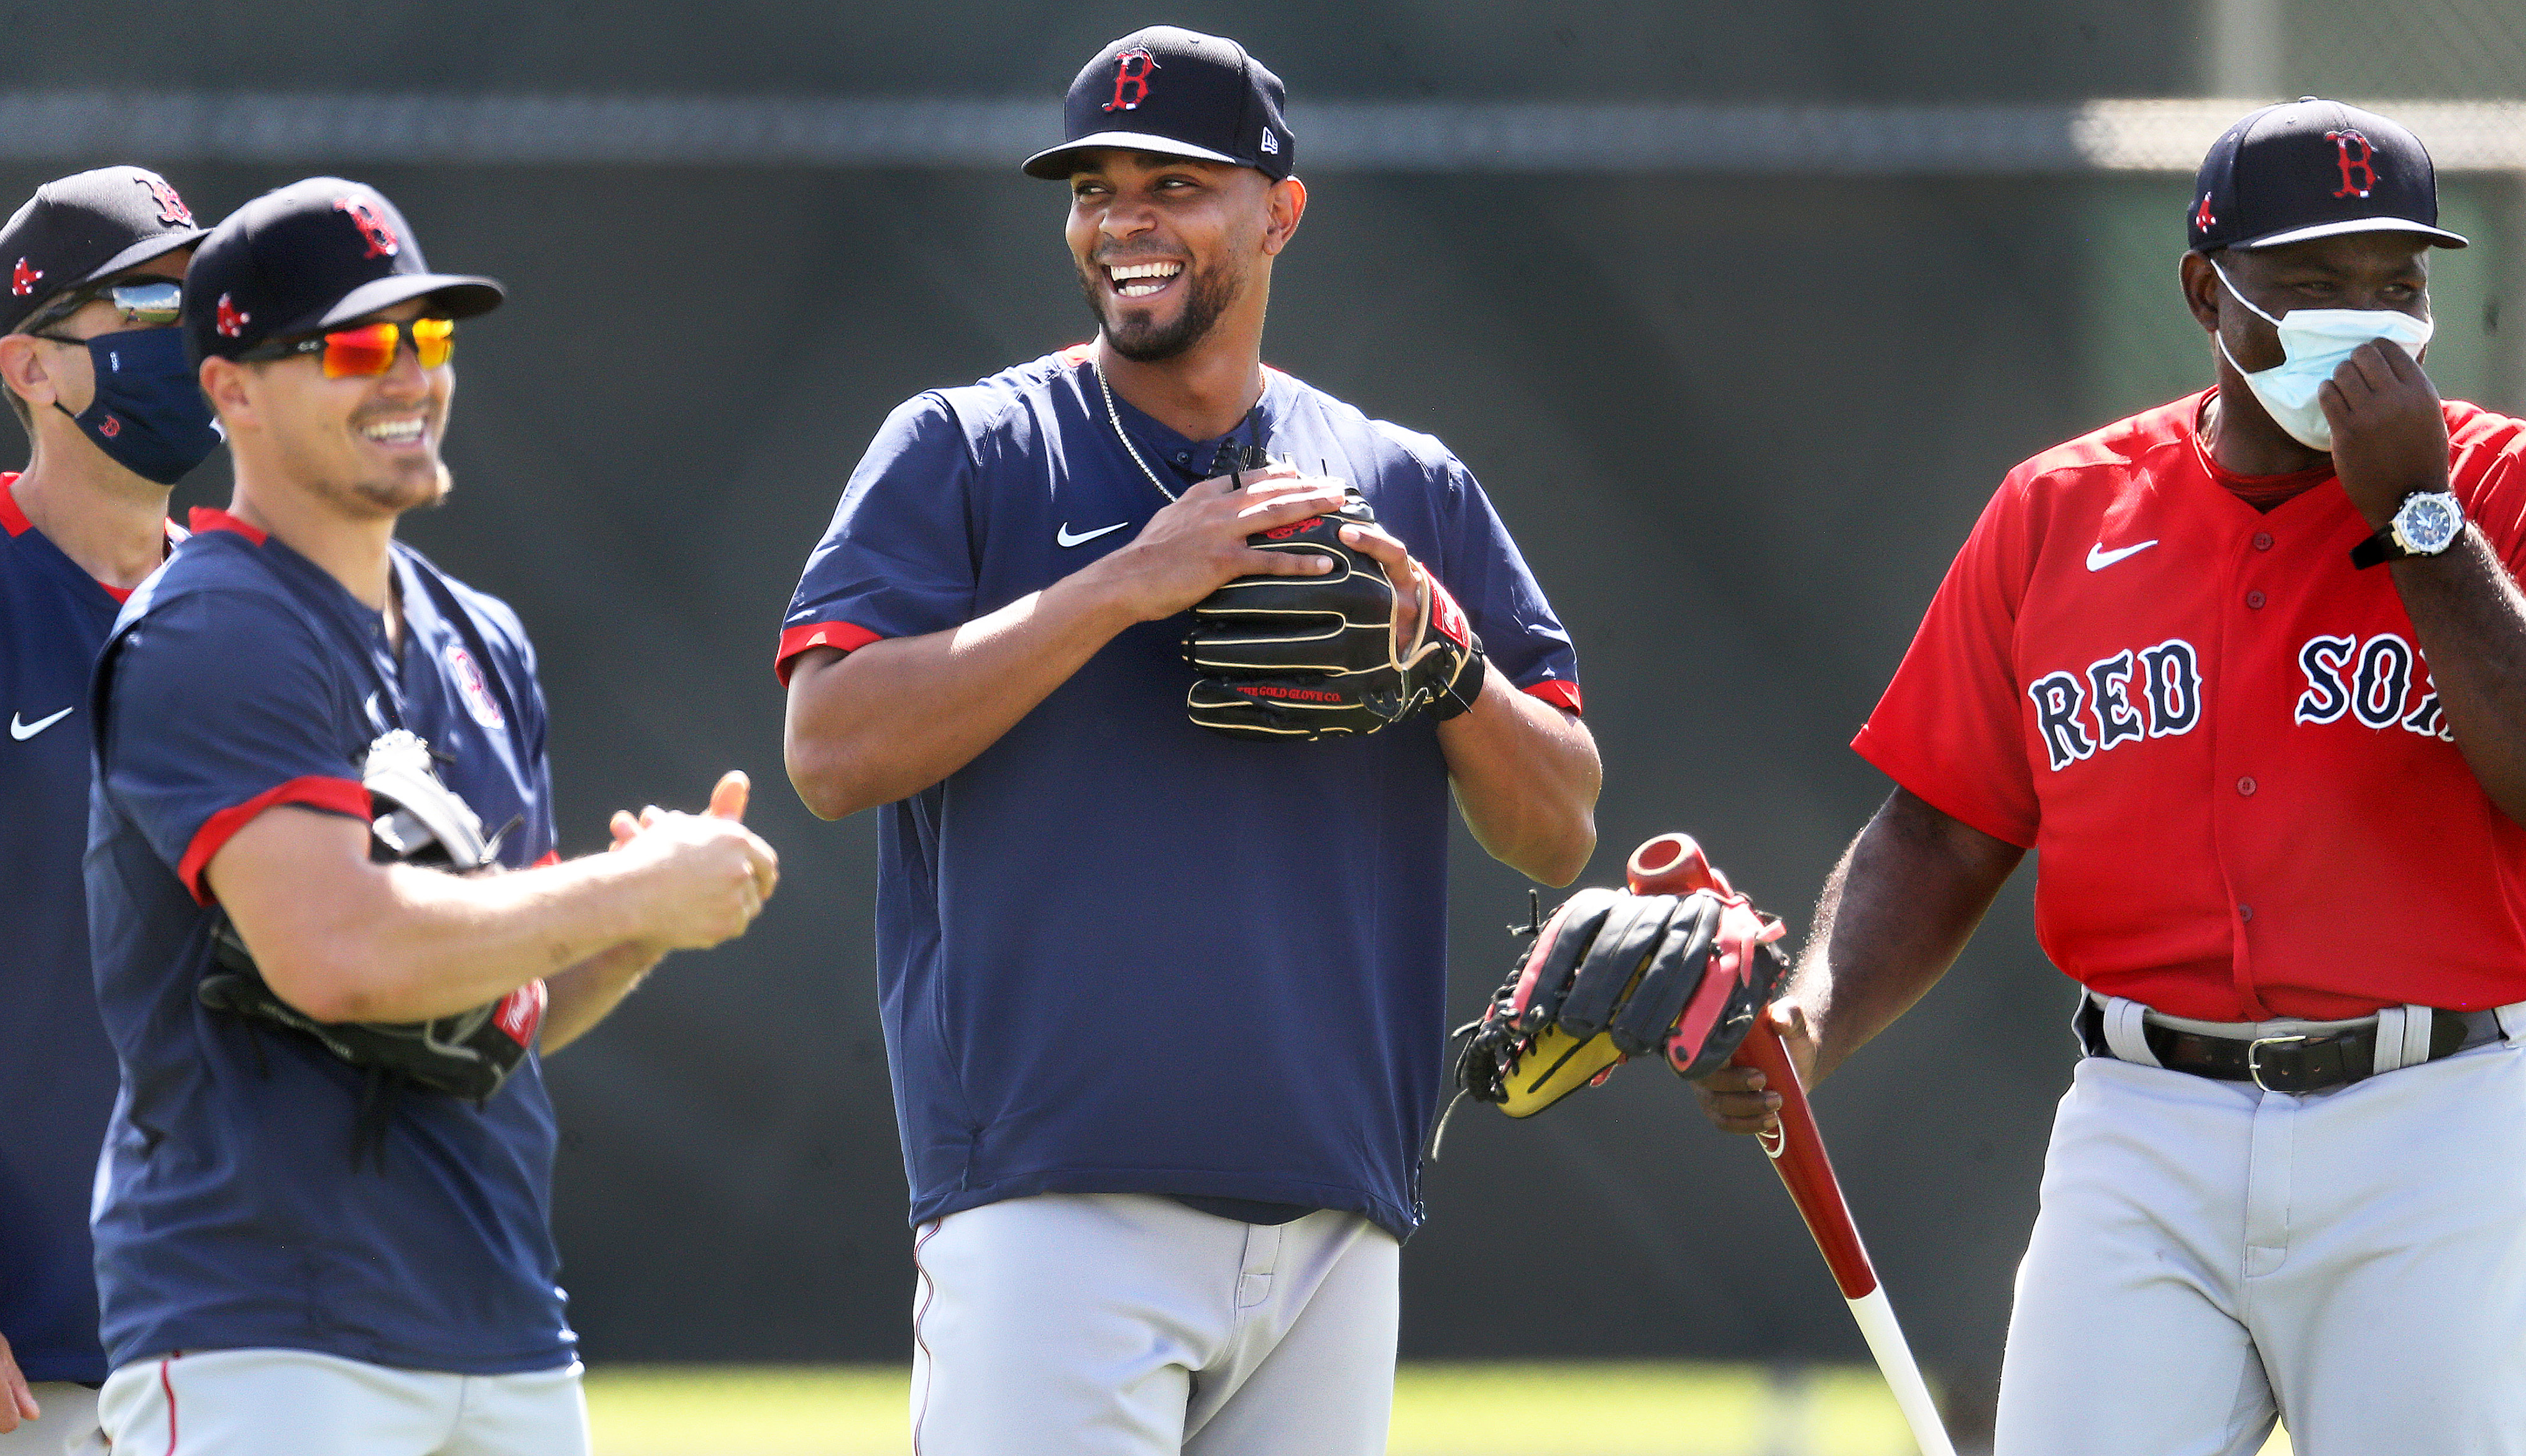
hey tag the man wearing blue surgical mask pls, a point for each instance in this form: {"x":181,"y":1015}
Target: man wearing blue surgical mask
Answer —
{"x":2247,"y":672}
{"x":95,"y":369}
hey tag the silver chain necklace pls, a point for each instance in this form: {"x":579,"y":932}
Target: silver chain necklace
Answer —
{"x":1115,"y":419}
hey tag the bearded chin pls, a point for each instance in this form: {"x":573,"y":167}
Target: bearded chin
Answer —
{"x":1143,"y":342}
{"x":407,"y":492}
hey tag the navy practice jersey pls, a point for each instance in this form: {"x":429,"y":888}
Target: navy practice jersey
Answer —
{"x":230,"y":1212}
{"x":1117,"y":952}
{"x":55,"y":1070}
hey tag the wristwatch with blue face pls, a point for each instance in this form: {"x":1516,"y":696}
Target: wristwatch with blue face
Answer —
{"x":2426,"y":524}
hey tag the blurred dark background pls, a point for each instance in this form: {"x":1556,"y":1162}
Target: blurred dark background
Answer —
{"x":1739,"y":415}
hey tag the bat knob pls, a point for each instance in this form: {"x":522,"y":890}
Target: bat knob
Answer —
{"x":1672,"y":864}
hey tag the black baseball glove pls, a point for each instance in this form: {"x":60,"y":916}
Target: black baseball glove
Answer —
{"x":420,"y":820}
{"x":1614,"y":975}
{"x":1314,"y":657}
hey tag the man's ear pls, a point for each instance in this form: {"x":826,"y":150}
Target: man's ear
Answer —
{"x":223,"y":383}
{"x":2201,"y":291}
{"x":21,"y":366}
{"x":1284,"y":206}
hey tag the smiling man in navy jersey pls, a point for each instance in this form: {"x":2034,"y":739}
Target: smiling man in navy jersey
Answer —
{"x":302,"y":1246}
{"x":1165,"y":1006}
{"x":95,"y":369}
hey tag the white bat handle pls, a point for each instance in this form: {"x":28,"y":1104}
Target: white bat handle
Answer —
{"x":1876,"y":1319}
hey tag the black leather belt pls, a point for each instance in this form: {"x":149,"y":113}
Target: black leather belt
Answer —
{"x":2286,"y":1064}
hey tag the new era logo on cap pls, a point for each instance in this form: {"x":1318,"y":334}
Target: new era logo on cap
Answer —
{"x":1176,"y":92}
{"x":2313,"y":169}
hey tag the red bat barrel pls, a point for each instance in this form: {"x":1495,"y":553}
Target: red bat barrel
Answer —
{"x":1673,"y":865}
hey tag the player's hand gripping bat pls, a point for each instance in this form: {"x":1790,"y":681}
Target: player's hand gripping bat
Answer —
{"x":1672,"y":864}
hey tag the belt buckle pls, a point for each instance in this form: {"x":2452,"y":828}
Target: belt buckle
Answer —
{"x":2254,"y":1057}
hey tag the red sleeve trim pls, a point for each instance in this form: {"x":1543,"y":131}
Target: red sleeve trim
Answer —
{"x":204,"y":518}
{"x":333,"y":795}
{"x":551,"y":857}
{"x":1080,"y":353}
{"x":843,"y":635}
{"x":12,"y":520}
{"x":1559,"y":692}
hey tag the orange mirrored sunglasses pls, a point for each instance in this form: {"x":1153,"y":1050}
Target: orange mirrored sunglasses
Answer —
{"x":370,"y":349}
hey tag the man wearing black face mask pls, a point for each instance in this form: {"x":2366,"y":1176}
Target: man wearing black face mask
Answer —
{"x":96,"y":372}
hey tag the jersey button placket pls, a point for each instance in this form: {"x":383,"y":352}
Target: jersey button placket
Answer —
{"x":2242,"y":630}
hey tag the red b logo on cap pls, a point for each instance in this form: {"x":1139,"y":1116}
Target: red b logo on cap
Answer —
{"x":2363,"y":165}
{"x":170,"y":208}
{"x":1131,"y":79}
{"x":381,"y":239}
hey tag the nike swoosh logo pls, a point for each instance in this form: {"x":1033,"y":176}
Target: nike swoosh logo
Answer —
{"x":2099,"y":558}
{"x":22,"y":732}
{"x":1064,"y":537}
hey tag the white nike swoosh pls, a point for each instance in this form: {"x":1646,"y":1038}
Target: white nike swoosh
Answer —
{"x":2099,"y":558}
{"x":22,"y":732}
{"x":1064,"y":537}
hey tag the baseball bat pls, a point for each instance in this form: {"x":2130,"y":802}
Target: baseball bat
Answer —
{"x":1673,"y":865}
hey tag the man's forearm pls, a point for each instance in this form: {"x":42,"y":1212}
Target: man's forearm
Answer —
{"x":1893,"y":917}
{"x":1526,"y":777}
{"x":2471,"y":622}
{"x":890,"y":718}
{"x":587,"y":993}
{"x":346,"y":941}
{"x":343,"y":940}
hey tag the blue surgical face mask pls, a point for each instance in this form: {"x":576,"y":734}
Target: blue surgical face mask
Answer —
{"x":149,"y":415}
{"x":2313,"y":345}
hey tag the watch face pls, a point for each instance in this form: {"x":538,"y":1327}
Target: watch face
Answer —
{"x":2428,"y":524}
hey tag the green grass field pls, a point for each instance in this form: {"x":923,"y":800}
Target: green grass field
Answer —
{"x":1440,"y":1410}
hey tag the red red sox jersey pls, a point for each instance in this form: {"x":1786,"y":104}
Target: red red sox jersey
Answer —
{"x":2220,"y":737}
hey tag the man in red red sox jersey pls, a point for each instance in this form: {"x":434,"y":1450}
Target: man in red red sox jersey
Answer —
{"x":2249,"y":671}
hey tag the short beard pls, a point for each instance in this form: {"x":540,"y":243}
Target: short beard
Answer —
{"x":404,"y":494}
{"x":1207,"y":296}
{"x":394,"y":494}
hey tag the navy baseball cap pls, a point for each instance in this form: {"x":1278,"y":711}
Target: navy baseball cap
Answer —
{"x":85,"y":227}
{"x":2310,"y":168}
{"x":1177,"y":92}
{"x":312,"y":255}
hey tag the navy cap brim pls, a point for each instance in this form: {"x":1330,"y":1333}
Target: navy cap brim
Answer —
{"x":462,"y":296}
{"x":1056,"y":164}
{"x":2438,"y":236}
